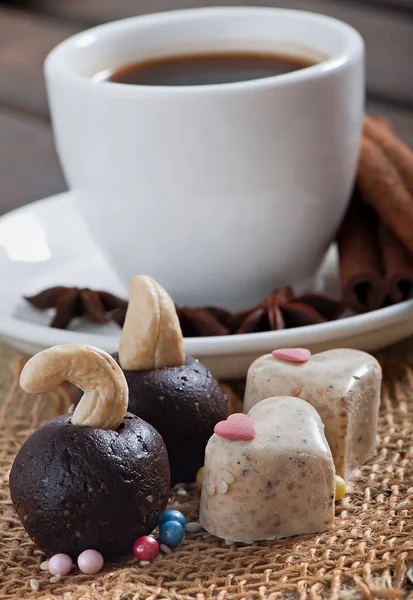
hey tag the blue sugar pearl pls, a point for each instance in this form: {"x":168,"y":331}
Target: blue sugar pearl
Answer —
{"x":172,"y":515}
{"x":171,"y":533}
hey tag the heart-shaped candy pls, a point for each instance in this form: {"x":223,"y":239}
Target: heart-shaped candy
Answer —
{"x":343,"y":385}
{"x":280,"y":484}
{"x":295,"y":355}
{"x":237,"y":427}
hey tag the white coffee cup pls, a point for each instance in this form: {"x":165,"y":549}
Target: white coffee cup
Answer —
{"x":221,"y":192}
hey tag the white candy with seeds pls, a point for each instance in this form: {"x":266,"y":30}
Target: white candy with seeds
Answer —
{"x":343,"y":385}
{"x":283,"y":479}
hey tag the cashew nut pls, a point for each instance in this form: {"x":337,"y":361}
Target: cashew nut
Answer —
{"x":151,"y":336}
{"x":105,"y":400}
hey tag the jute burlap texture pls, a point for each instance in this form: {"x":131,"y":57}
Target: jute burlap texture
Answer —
{"x":366,"y":555}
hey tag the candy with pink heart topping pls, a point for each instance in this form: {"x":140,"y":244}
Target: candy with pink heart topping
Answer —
{"x":279,"y":484}
{"x":343,"y":385}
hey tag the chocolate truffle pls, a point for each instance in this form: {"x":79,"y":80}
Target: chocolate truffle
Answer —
{"x":77,"y":487}
{"x":174,"y":393}
{"x":98,"y":478}
{"x":184,"y":404}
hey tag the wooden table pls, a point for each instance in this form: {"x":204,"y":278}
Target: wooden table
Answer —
{"x":29,"y":168}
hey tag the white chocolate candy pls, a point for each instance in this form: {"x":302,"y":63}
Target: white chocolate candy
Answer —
{"x":281,"y":483}
{"x":343,"y":386}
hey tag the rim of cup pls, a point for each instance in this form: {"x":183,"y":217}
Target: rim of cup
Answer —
{"x":57,"y":64}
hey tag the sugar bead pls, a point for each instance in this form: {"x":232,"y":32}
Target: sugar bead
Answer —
{"x":60,"y":564}
{"x":200,"y":478}
{"x":172,"y":515}
{"x":340,"y":488}
{"x":171,"y":533}
{"x":145,"y":548}
{"x":90,"y":562}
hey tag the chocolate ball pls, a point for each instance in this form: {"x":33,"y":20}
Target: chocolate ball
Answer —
{"x":183,"y":404}
{"x":77,"y":487}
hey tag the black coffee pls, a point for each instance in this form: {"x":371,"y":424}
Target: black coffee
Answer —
{"x":203,"y":69}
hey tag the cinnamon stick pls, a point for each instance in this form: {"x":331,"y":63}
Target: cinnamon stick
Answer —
{"x":379,"y":131}
{"x":378,"y":119}
{"x":383,"y":188}
{"x":361,"y":272}
{"x":398,"y":266}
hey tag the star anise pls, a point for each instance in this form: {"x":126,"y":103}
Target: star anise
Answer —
{"x":195,"y":322}
{"x":198,"y":322}
{"x":282,"y":310}
{"x":70,"y":302}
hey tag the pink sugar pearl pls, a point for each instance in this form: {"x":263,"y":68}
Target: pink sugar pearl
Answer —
{"x":295,"y":355}
{"x":90,"y":561}
{"x":60,"y":564}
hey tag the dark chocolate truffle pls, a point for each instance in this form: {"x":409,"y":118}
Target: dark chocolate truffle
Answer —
{"x":77,"y":487}
{"x":183,"y":404}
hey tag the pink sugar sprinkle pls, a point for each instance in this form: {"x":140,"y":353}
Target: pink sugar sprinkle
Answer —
{"x":295,"y":355}
{"x":237,"y":427}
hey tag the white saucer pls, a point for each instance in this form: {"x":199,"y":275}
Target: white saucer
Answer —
{"x":46,"y":244}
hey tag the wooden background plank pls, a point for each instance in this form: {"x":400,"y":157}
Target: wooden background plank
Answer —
{"x":95,"y":11}
{"x":405,"y":4}
{"x":25,"y":39}
{"x":29,"y":169}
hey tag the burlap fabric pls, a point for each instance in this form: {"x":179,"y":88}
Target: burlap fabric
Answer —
{"x":367,"y":554}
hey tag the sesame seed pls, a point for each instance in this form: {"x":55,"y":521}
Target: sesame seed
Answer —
{"x":177,"y":486}
{"x":193,"y":527}
{"x":223,"y":487}
{"x":212,"y":489}
{"x":181,"y":492}
{"x":227,"y":476}
{"x":144,"y":563}
{"x":165,"y":548}
{"x":34,"y":584}
{"x":44,"y":566}
{"x":55,"y":579}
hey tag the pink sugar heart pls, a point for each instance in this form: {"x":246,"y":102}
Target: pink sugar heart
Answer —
{"x":296,"y":355}
{"x":237,"y":427}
